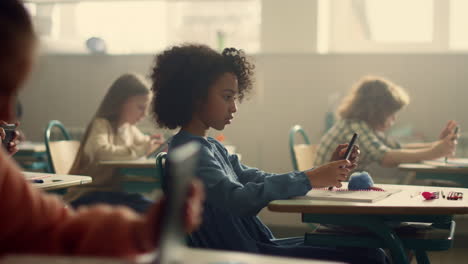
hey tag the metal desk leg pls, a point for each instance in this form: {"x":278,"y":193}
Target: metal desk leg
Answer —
{"x":391,"y":239}
{"x":421,"y":257}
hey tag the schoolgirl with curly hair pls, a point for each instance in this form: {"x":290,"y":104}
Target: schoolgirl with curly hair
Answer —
{"x":195,"y":89}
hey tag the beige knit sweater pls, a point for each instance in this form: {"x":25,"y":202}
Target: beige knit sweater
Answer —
{"x":104,"y":144}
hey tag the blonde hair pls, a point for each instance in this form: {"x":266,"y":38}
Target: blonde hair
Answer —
{"x":126,"y":86}
{"x":373,"y":99}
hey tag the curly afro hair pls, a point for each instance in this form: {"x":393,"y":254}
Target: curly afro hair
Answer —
{"x":183,"y":75}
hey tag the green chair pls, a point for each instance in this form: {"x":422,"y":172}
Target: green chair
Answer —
{"x":160,"y":162}
{"x":141,"y":182}
{"x":292,"y":134}
{"x":60,"y":153}
{"x":302,"y":155}
{"x":330,"y":120}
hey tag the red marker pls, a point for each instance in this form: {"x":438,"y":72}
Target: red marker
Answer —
{"x":430,"y":195}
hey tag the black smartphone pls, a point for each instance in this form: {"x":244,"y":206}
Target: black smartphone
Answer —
{"x":349,"y":150}
{"x":9,"y":134}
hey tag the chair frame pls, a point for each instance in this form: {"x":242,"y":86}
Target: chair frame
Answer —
{"x":292,"y":133}
{"x":160,"y":163}
{"x":52,"y":124}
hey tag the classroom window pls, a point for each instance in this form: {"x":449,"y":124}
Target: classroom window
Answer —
{"x":399,"y":21}
{"x":31,"y":7}
{"x":382,"y":26}
{"x":129,"y":27}
{"x":458,"y":25}
{"x":216,"y":23}
{"x":133,"y":26}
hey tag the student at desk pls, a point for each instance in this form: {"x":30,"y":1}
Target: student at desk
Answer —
{"x":113,"y":135}
{"x":33,"y":222}
{"x":370,"y":110}
{"x":196,"y":88}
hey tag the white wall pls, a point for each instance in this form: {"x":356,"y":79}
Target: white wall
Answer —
{"x":290,"y":89}
{"x":285,"y":21}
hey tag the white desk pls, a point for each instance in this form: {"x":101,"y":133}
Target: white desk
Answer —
{"x":429,"y":171}
{"x":429,"y":168}
{"x":207,"y":256}
{"x":406,"y":202}
{"x":405,"y":206}
{"x":28,"y":146}
{"x":140,"y":175}
{"x":130,"y":164}
{"x":56,"y":181}
{"x":192,"y":256}
{"x":32,"y":156}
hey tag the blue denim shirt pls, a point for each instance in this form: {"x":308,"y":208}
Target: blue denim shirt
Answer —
{"x":235,"y":193}
{"x":231,"y":185}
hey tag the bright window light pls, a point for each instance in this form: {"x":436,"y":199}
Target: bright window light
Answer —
{"x":459,"y":25}
{"x":139,"y":26}
{"x":126,"y":27}
{"x":31,"y":7}
{"x":216,"y":23}
{"x":400,"y":21}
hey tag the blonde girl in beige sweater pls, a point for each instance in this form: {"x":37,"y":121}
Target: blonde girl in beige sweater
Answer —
{"x":112,"y":135}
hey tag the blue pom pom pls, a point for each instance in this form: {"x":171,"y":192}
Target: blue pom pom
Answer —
{"x":360,"y":181}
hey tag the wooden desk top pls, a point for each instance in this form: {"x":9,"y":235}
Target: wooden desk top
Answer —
{"x":421,"y":167}
{"x":31,"y":147}
{"x":400,"y":203}
{"x":225,"y":257}
{"x":192,"y":256}
{"x":139,"y":163}
{"x":56,"y":181}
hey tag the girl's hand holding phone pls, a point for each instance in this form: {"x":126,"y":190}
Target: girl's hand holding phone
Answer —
{"x":445,"y":147}
{"x":330,"y":174}
{"x":347,"y":155}
{"x":340,"y":152}
{"x":448,"y":129}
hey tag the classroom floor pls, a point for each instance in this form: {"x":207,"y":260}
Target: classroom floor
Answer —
{"x":458,"y":254}
{"x":455,"y":255}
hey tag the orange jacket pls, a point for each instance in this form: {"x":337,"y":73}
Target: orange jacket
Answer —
{"x":39,"y":223}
